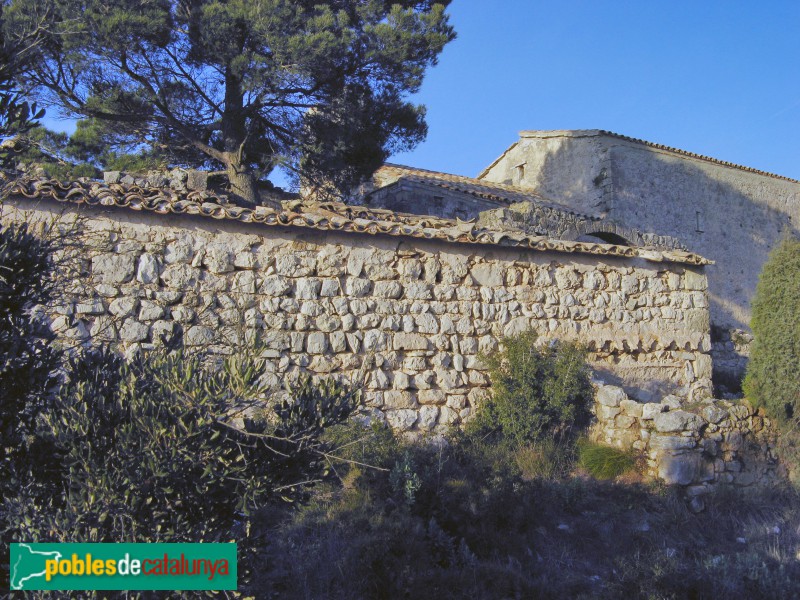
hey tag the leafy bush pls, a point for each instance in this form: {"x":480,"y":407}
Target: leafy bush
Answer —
{"x":604,"y":462}
{"x":404,"y":479}
{"x":538,"y":392}
{"x":27,"y":357}
{"x":165,"y":448}
{"x":773,"y":373}
{"x":28,"y":361}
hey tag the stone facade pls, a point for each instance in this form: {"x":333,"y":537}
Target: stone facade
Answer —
{"x":731,"y":214}
{"x":419,"y":311}
{"x":698,"y":445}
{"x":417,"y":191}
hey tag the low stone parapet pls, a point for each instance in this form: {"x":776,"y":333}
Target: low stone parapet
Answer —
{"x":698,"y":444}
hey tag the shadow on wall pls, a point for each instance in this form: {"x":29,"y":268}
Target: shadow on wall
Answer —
{"x":713,"y":211}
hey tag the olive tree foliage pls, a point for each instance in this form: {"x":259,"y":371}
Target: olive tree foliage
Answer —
{"x":27,"y":355}
{"x":773,"y":372}
{"x":166,"y":447}
{"x":242,"y":85}
{"x":28,"y":362}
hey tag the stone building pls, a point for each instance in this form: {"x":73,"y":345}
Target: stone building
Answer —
{"x":731,"y":214}
{"x":324,"y":286}
{"x":411,"y":300}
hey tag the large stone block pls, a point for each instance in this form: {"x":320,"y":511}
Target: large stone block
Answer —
{"x":388,"y":289}
{"x":150,"y":311}
{"x":428,"y":415}
{"x":180,"y":276}
{"x":409,"y":341}
{"x":179,"y":251}
{"x":401,"y":420}
{"x":307,"y":289}
{"x":317,"y":343}
{"x":683,"y":469}
{"x":676,"y":421}
{"x":396,"y":399}
{"x":133,"y":331}
{"x":610,"y":395}
{"x":91,"y":307}
{"x":694,"y":281}
{"x":148,"y":269}
{"x":123,"y":307}
{"x":113,"y":269}
{"x":219,"y":258}
{"x":356,"y":287}
{"x":198,"y":335}
{"x":489,"y":274}
{"x":275,"y":285}
{"x":418,"y":290}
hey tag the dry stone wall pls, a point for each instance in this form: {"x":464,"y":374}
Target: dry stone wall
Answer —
{"x":699,"y":445}
{"x":419,"y":312}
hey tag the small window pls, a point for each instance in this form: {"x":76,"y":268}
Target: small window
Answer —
{"x":698,"y":222}
{"x":519,"y":172}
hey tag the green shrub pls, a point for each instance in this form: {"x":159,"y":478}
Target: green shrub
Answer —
{"x":604,"y":462}
{"x":27,"y":357}
{"x":538,"y":392}
{"x":773,"y":373}
{"x":28,"y":361}
{"x":404,"y":479}
{"x":166,"y":448}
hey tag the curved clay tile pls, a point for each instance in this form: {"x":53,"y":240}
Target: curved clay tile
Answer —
{"x":329,"y":216}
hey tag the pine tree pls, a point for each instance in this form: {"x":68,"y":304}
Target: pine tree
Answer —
{"x":242,"y":85}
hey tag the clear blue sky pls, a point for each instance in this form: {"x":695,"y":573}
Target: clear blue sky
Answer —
{"x":720,"y":78}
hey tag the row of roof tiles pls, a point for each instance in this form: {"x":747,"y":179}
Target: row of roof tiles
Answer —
{"x":320,"y":216}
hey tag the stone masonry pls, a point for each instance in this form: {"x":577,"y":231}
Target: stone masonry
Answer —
{"x":729,"y":213}
{"x":420,"y":312}
{"x":699,"y":444}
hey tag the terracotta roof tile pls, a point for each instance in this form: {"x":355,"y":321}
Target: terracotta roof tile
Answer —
{"x":321,"y":216}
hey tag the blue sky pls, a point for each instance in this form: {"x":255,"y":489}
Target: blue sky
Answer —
{"x":712,"y":77}
{"x":720,"y":78}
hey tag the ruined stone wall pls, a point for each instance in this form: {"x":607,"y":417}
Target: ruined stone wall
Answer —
{"x":699,"y":445}
{"x":418,"y":311}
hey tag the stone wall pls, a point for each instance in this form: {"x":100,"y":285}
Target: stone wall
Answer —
{"x":699,"y":445}
{"x":731,"y":214}
{"x":418,"y":311}
{"x":536,"y":218}
{"x":419,"y":198}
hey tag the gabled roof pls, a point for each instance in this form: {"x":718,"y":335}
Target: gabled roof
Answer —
{"x":390,"y":174}
{"x":603,"y":132}
{"x":331,"y":216}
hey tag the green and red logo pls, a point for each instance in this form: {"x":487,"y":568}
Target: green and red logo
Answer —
{"x":123,"y":567}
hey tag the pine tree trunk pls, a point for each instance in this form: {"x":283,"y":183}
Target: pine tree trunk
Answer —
{"x":243,"y":184}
